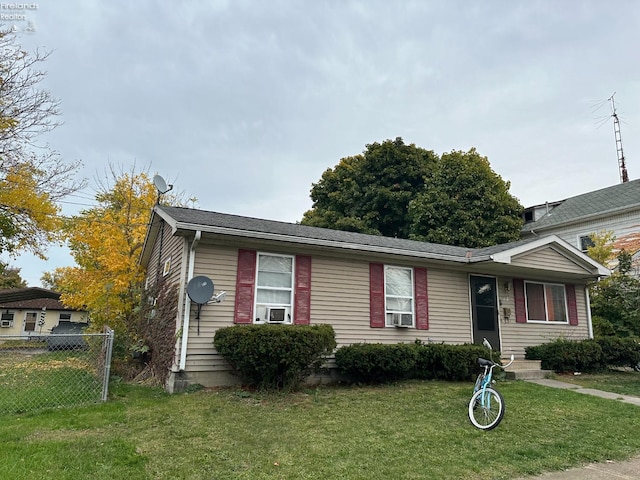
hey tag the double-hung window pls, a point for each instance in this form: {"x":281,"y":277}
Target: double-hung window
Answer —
{"x":399,"y":291}
{"x":274,"y":288}
{"x":546,"y":302}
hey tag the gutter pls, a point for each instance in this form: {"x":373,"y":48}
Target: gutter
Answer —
{"x":187,"y":302}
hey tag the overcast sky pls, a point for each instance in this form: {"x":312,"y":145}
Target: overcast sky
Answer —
{"x":243,"y":104}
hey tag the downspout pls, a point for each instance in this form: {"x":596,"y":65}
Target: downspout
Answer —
{"x":187,"y":302}
{"x":589,"y":322}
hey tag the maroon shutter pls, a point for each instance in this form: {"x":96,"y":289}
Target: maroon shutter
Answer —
{"x":571,"y":304}
{"x":245,"y":281}
{"x":422,"y":298}
{"x":376,"y":295}
{"x":518,"y":297}
{"x":302,"y":307}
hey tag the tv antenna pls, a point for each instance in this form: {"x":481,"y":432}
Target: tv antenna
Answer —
{"x":161,"y":186}
{"x":624,"y":176}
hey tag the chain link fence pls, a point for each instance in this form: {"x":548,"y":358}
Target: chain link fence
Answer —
{"x":57,"y":370}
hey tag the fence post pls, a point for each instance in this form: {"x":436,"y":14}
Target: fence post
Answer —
{"x":107,"y":350}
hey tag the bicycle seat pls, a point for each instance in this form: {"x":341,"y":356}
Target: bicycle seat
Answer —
{"x":484,"y":363}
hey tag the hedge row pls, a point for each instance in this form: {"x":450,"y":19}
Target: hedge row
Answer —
{"x":378,"y":363}
{"x":586,"y":355}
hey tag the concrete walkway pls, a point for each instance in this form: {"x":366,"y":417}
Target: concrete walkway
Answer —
{"x":628,"y":469}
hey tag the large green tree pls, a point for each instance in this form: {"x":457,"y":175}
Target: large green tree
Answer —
{"x":404,"y":191}
{"x":465,"y":203}
{"x":370,"y":192}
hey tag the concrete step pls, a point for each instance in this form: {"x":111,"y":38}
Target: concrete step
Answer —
{"x":525,"y":370}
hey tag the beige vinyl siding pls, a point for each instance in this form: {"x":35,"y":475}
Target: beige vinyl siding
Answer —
{"x":339,"y":296}
{"x":547,"y":259}
{"x":516,"y":336}
{"x":173,"y":249}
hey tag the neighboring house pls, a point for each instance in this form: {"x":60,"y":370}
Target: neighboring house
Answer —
{"x":369,"y":288}
{"x":613,"y":209}
{"x":33,"y":311}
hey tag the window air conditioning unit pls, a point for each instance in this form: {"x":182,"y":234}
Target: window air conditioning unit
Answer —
{"x":396,"y":321}
{"x":6,"y":323}
{"x":277,"y":314}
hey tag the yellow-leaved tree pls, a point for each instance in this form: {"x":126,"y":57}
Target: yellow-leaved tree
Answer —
{"x":32,"y":177}
{"x":105,"y":242}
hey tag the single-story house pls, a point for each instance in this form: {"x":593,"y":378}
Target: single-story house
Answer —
{"x":369,"y":288}
{"x":33,"y":311}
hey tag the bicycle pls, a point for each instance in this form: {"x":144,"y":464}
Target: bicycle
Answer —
{"x":486,"y":407}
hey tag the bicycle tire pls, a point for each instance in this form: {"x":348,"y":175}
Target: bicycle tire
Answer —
{"x":486,"y":409}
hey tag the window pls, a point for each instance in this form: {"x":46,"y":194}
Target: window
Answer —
{"x":30,"y":321}
{"x":546,"y":302}
{"x":167,"y":267}
{"x":398,"y":282}
{"x":584,"y":242}
{"x":274,"y":288}
{"x":66,"y":317}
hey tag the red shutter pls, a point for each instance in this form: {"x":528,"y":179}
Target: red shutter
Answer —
{"x":422,"y":298}
{"x":245,"y":281}
{"x":518,"y":297}
{"x":376,"y":295}
{"x":302,"y":307}
{"x":571,"y":304}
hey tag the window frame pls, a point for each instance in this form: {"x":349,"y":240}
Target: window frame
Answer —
{"x":387,"y":311}
{"x":257,"y":288}
{"x":589,"y":241}
{"x":546,"y":321}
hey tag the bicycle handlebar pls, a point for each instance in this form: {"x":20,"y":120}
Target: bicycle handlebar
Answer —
{"x":483,"y":362}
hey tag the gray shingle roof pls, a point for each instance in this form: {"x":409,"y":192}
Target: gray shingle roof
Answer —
{"x":190,"y":219}
{"x":606,"y":201}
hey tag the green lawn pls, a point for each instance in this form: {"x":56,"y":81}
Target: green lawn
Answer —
{"x":624,"y":382}
{"x":408,"y":431}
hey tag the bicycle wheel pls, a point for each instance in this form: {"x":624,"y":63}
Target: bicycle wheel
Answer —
{"x":486,"y":409}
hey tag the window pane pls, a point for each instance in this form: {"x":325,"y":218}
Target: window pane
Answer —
{"x":398,"y":281}
{"x":395,"y":304}
{"x":269,"y":279}
{"x":556,"y":305}
{"x":279,"y":297}
{"x":535,"y":301}
{"x":271,"y":263}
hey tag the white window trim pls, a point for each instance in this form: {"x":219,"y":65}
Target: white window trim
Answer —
{"x":166,"y":269}
{"x":546,"y":312}
{"x":288,"y":321}
{"x":413,"y":297}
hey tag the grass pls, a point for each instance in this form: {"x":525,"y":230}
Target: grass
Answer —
{"x":414,"y":430}
{"x":51,"y":379}
{"x":624,"y":382}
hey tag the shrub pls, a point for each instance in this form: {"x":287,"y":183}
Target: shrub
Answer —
{"x":378,"y":363}
{"x":619,"y":351}
{"x":449,"y":362}
{"x":568,"y":355}
{"x":274,"y":356}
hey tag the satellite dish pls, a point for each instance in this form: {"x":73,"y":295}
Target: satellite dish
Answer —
{"x":200,"y":289}
{"x":161,"y":185}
